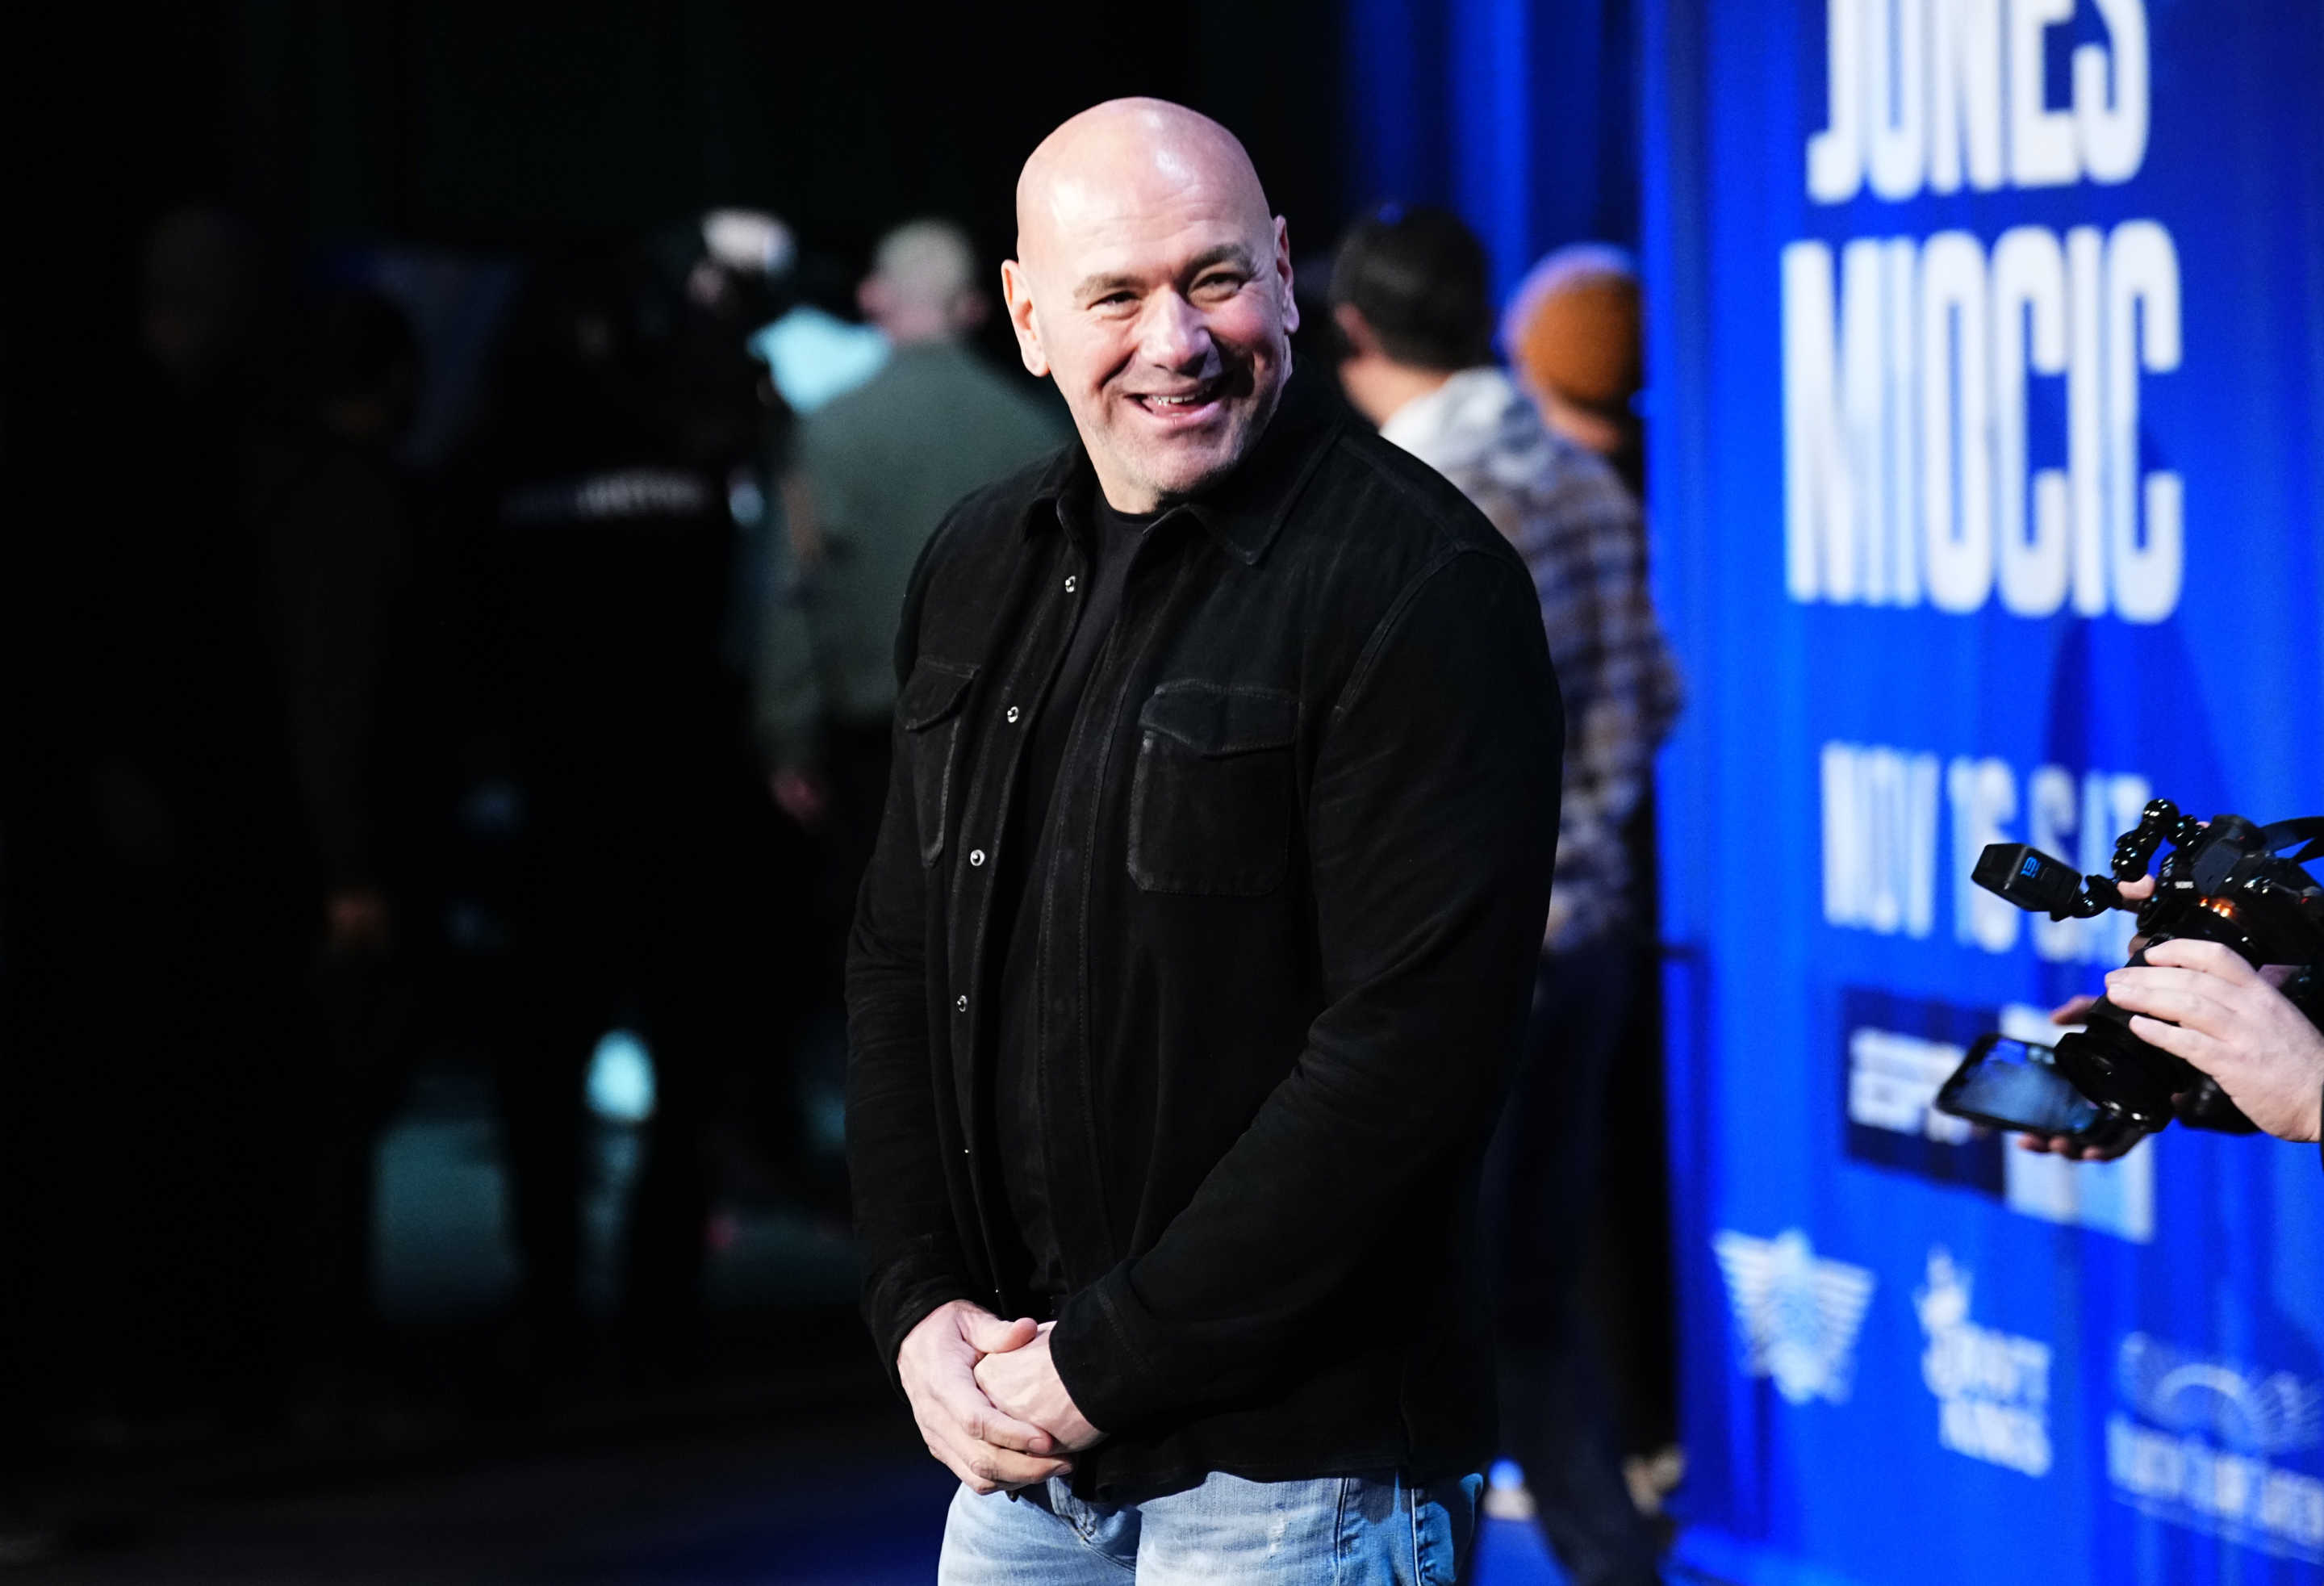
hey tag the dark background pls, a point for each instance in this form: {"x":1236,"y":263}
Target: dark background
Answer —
{"x":467,"y":132}
{"x":449,"y":124}
{"x":472,"y":131}
{"x":466,"y":126}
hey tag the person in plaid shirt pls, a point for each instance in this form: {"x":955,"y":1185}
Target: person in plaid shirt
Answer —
{"x":1411,"y":304}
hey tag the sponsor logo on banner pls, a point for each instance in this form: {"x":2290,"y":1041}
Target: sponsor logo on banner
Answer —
{"x":1796,"y":1314}
{"x":2201,"y":1443}
{"x":1992,"y":1388}
{"x":1896,"y":1051}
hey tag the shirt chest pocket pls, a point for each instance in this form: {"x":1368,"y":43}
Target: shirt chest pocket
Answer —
{"x":1211,"y":803}
{"x":929,"y":712}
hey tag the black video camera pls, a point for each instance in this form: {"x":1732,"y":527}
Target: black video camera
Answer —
{"x":2223,"y":883}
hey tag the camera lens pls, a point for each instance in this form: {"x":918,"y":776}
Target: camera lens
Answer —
{"x":2119,"y":1072}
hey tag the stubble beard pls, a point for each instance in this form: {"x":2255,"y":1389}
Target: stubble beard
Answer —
{"x":1244,"y":430}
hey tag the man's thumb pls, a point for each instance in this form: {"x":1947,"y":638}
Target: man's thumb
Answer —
{"x":990,"y":1335}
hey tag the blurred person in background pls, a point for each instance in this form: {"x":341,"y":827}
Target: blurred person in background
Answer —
{"x":613,"y":724}
{"x":738,"y":269}
{"x":158,"y":919}
{"x":1573,"y":334}
{"x":873,"y":472}
{"x":343,"y":519}
{"x":217,"y":820}
{"x":737,"y":264}
{"x":1410,"y":300}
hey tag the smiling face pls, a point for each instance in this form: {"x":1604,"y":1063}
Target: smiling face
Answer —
{"x":1154,"y":286}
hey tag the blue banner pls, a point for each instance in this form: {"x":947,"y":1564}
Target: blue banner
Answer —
{"x":1989,"y":471}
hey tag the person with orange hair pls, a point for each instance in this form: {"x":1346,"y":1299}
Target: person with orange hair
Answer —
{"x":1409,"y":299}
{"x":1573,"y":334}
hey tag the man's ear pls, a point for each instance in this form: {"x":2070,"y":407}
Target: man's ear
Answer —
{"x":1017,"y":293}
{"x":1283,"y":274}
{"x":1356,"y":330}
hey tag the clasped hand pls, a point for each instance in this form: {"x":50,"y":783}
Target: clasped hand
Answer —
{"x":988,"y":1399}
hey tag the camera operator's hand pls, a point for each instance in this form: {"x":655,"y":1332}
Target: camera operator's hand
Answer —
{"x":2071,"y":1012}
{"x":2133,"y":892}
{"x":2201,"y":1001}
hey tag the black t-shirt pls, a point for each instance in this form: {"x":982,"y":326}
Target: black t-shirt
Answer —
{"x":1025,"y":857}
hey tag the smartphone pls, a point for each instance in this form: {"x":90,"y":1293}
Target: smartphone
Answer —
{"x":2013,"y":1085}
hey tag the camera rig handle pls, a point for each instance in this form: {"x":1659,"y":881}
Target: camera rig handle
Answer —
{"x":2035,"y":882}
{"x":2098,"y":895}
{"x":2160,"y":820}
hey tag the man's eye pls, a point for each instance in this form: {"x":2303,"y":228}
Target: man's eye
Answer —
{"x":1218,"y":286}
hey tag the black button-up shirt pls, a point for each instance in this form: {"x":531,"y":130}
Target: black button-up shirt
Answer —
{"x":1299,"y":845}
{"x":1112,"y":539}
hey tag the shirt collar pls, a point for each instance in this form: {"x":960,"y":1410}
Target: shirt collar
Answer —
{"x":1423,"y":425}
{"x":1243,"y":512}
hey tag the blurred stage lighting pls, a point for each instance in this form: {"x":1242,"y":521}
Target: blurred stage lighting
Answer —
{"x":621,"y":1079}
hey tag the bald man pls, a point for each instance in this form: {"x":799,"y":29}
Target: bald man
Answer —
{"x":1198,"y":941}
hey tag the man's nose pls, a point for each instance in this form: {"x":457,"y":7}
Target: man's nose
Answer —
{"x":1173,"y":333}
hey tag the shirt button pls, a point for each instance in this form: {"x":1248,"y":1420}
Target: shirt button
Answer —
{"x":1013,"y":713}
{"x":976,"y":856}
{"x":960,"y":1003}
{"x":1071,"y":584}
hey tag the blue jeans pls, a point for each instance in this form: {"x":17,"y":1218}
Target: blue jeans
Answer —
{"x":1337,"y":1531}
